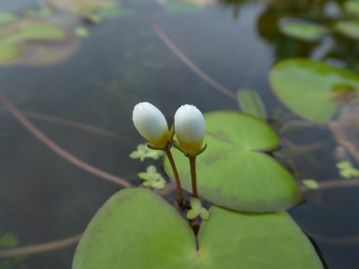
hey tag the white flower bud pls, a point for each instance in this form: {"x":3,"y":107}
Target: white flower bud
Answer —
{"x":190,"y":128}
{"x":151,"y":124}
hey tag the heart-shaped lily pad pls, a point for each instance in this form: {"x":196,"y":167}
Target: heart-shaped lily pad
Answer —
{"x":138,"y":229}
{"x":233,"y":171}
{"x":310,"y":88}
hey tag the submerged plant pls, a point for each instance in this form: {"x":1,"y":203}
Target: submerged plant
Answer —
{"x":138,"y":229}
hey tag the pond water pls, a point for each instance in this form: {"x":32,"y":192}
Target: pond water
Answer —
{"x":123,"y":61}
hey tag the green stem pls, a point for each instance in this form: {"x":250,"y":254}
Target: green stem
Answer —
{"x":179,"y":193}
{"x":192,"y":162}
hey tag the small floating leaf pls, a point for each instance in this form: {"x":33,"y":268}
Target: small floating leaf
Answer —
{"x":348,"y":28}
{"x":6,"y":17}
{"x":41,"y":31}
{"x":251,"y":103}
{"x":81,"y":31}
{"x":142,"y":152}
{"x":8,"y":240}
{"x":346,"y":169}
{"x":234,"y":172}
{"x":204,"y":214}
{"x":303,"y":30}
{"x":311,"y":183}
{"x":197,"y":210}
{"x":306,"y":87}
{"x":9,"y":51}
{"x":138,"y":229}
{"x":151,"y":178}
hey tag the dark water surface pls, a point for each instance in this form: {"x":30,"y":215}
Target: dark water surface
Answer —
{"x":122,"y":62}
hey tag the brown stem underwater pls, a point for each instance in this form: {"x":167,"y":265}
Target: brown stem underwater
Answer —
{"x":179,"y":191}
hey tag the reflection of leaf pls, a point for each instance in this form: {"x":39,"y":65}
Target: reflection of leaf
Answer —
{"x":303,"y":30}
{"x":142,"y":152}
{"x":311,"y":183}
{"x":306,"y":87}
{"x":233,"y":172}
{"x":251,"y":103}
{"x":346,"y":169}
{"x":348,"y":28}
{"x":151,"y":178}
{"x":138,"y":229}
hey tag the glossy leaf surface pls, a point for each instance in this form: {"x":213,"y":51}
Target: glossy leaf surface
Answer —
{"x":310,"y":88}
{"x":138,"y":229}
{"x":234,"y":172}
{"x":303,"y":30}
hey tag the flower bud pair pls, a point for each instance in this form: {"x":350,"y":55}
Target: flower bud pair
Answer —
{"x":189,"y":127}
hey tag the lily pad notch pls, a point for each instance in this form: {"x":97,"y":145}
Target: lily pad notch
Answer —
{"x":235,"y":172}
{"x":136,"y":228}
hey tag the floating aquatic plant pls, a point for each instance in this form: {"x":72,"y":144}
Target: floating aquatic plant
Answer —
{"x":346,"y":169}
{"x":311,"y":183}
{"x":136,"y":228}
{"x":312,"y":89}
{"x":142,"y":152}
{"x":151,"y":178}
{"x":301,"y":29}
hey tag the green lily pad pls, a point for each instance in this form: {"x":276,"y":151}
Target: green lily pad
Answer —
{"x":6,"y":17}
{"x":233,"y":172}
{"x":308,"y":88}
{"x":9,"y":51}
{"x":177,"y":6}
{"x":352,"y":7}
{"x":348,"y":28}
{"x":138,"y":229}
{"x":41,"y":31}
{"x":39,"y":13}
{"x":303,"y":30}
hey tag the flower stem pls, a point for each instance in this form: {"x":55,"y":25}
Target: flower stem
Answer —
{"x":192,"y":162}
{"x":179,"y":192}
